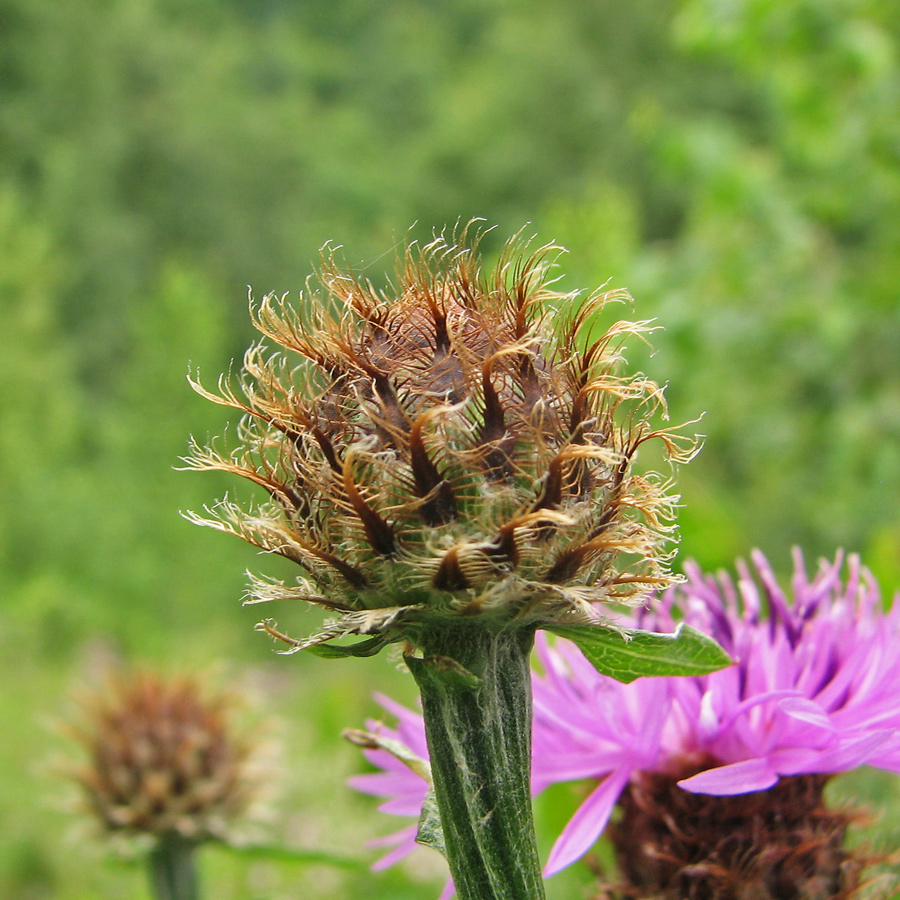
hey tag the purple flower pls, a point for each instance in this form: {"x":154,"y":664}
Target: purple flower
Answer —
{"x":815,"y":690}
{"x":404,"y":788}
{"x":587,"y":725}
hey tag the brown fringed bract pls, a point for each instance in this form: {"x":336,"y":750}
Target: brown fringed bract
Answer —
{"x":460,"y":445}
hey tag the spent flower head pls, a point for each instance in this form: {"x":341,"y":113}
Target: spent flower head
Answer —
{"x":458,"y":445}
{"x":163,"y":760}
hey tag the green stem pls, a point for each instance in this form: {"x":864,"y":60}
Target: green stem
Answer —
{"x":173,"y":872}
{"x":476,"y":698}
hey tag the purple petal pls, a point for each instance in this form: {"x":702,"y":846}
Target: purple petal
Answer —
{"x":847,"y":754}
{"x":406,"y":843}
{"x":393,"y":857}
{"x":745,"y":706}
{"x":404,"y":805}
{"x":586,"y":826}
{"x":411,"y":725}
{"x":384,"y":784}
{"x":405,"y":835}
{"x":737,"y":778}
{"x":806,"y":711}
{"x":403,"y":713}
{"x":575,"y":766}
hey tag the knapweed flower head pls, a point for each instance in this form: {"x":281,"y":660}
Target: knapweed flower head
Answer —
{"x":816,"y":688}
{"x":718,"y":778}
{"x":460,"y":444}
{"x":162,"y":760}
{"x":401,"y":754}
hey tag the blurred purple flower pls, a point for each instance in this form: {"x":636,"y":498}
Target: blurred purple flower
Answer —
{"x":815,"y":689}
{"x":404,"y":788}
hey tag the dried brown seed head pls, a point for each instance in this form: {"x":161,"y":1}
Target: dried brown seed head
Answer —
{"x":162,"y":759}
{"x":460,"y":445}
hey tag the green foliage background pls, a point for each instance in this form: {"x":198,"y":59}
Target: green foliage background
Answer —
{"x":735,"y":164}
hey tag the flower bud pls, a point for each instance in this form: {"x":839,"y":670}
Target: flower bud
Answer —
{"x":162,"y":760}
{"x":460,"y":445}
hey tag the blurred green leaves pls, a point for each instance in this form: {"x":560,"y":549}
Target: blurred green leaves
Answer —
{"x":736,"y":165}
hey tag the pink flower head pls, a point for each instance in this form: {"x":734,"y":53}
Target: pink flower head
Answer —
{"x":815,"y":689}
{"x":405,"y":788}
{"x":587,"y":725}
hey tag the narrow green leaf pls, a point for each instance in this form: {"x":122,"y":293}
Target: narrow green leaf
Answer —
{"x":626,"y":654}
{"x":281,"y":853}
{"x":430,"y":833}
{"x":336,"y":651}
{"x":371,"y":741}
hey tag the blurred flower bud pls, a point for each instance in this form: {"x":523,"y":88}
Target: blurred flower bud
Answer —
{"x":162,"y":759}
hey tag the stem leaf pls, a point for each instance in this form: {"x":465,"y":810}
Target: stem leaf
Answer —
{"x":283,"y":853}
{"x":626,"y":654}
{"x":430,"y":833}
{"x":337,"y":651}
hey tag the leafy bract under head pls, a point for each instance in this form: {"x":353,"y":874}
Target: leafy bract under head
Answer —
{"x":460,"y":444}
